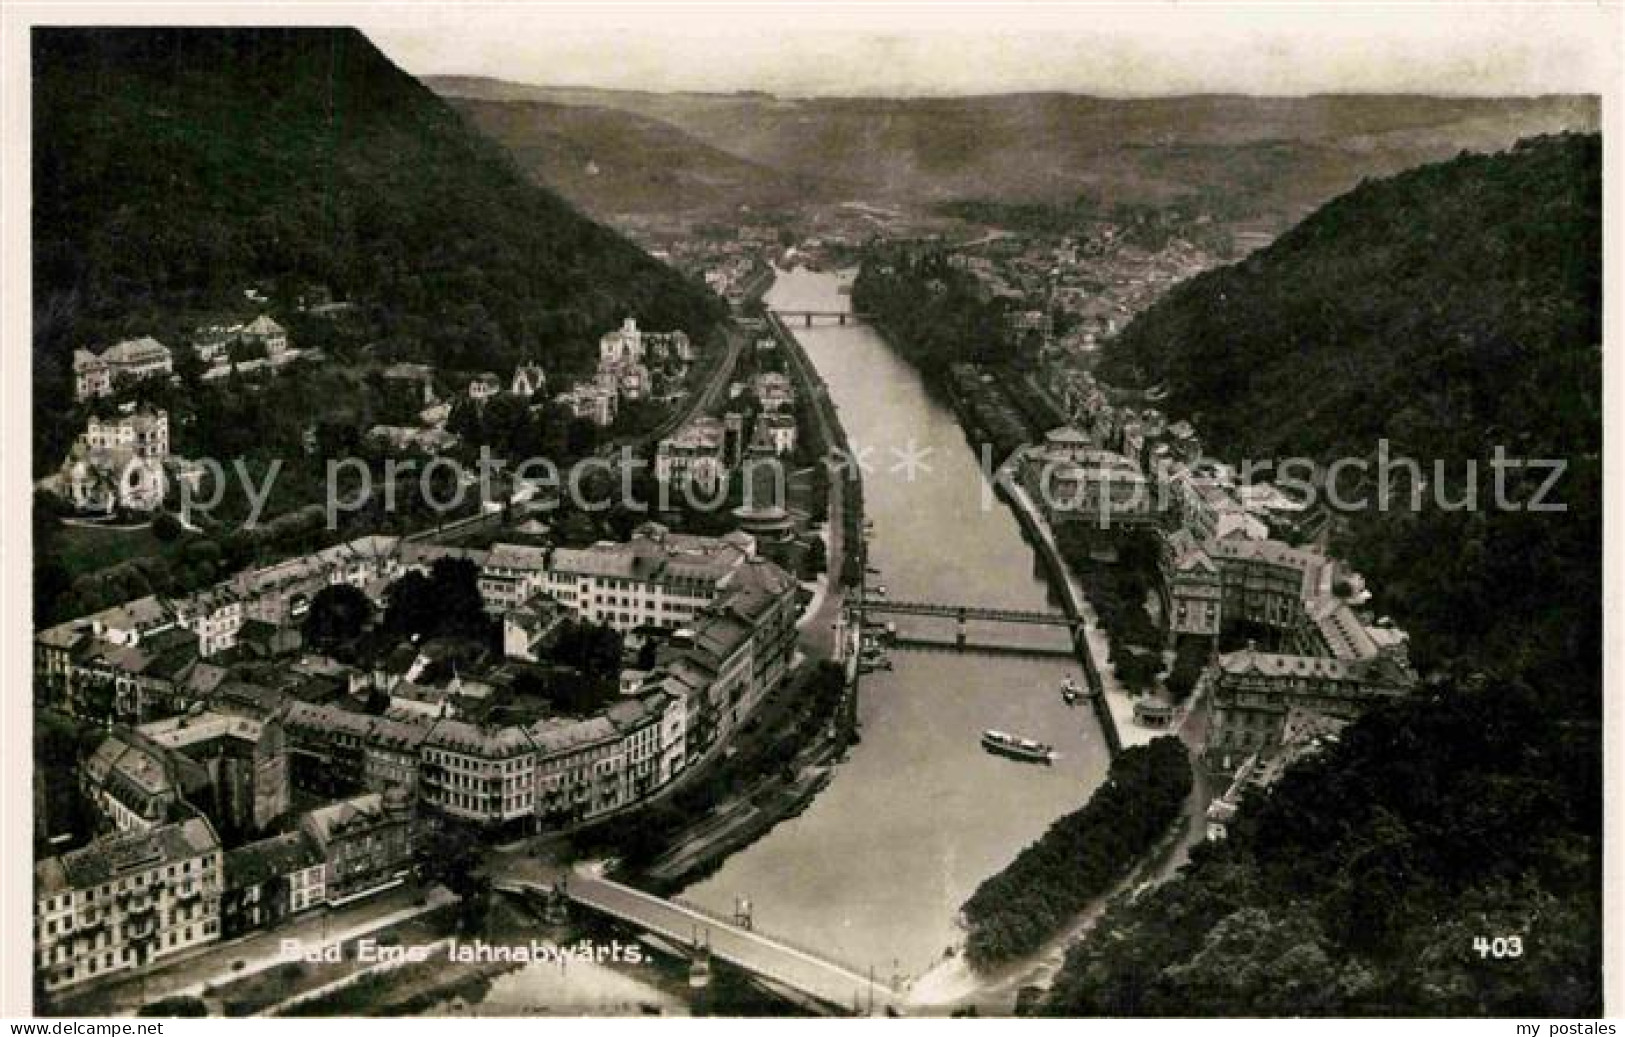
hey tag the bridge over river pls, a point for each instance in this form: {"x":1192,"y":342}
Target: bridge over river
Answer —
{"x":873,"y":606}
{"x":841,"y":317}
{"x":805,"y":972}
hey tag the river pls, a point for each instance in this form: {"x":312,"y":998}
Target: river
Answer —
{"x":874,"y":871}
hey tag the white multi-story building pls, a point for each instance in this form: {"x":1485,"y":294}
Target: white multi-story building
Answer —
{"x":144,"y":432}
{"x":511,"y":574}
{"x":95,"y":375}
{"x":125,"y":901}
{"x":593,"y":402}
{"x":215,"y":615}
{"x":264,"y":332}
{"x":694,"y":456}
{"x":774,"y":391}
{"x":624,"y":345}
{"x":658,"y":578}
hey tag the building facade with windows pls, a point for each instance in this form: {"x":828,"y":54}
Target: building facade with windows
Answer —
{"x":126,"y":901}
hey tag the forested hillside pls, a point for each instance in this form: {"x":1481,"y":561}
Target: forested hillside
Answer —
{"x":1449,"y":310}
{"x":175,"y":169}
{"x":614,"y":163}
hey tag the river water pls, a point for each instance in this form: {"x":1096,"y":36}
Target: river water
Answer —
{"x":873,"y":873}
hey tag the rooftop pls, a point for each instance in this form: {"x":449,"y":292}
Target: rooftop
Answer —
{"x":111,"y":857}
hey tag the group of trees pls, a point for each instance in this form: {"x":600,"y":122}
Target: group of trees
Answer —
{"x":514,"y":433}
{"x":931,"y":312}
{"x":338,"y":615}
{"x":445,"y":603}
{"x":1119,"y":592}
{"x":1081,"y":856}
{"x":592,"y":650}
{"x":1361,"y":882}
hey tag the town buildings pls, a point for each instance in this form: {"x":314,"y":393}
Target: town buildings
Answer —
{"x":528,"y":380}
{"x":264,"y":334}
{"x":119,"y":462}
{"x":1254,"y":692}
{"x":631,"y":362}
{"x":365,"y":843}
{"x":773,"y":391}
{"x":775,"y":434}
{"x":269,"y":881}
{"x":1074,"y":481}
{"x":97,"y":374}
{"x":1222,"y":571}
{"x":209,"y":743}
{"x":658,"y":578}
{"x":592,"y":402}
{"x":232,"y":768}
{"x":484,"y":386}
{"x":126,"y":902}
{"x":694,"y":456}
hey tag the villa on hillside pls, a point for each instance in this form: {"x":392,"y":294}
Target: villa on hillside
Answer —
{"x":95,"y":375}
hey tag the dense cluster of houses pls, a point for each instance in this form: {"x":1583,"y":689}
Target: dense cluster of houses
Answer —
{"x":1093,"y":279}
{"x":1233,"y":555}
{"x":217,"y":719}
{"x":703,"y":452}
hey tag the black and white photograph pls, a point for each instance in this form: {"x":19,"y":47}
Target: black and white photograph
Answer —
{"x":809,"y":510}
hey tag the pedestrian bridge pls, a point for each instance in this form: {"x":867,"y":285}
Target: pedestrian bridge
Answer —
{"x":842,"y":317}
{"x":806,"y":972}
{"x":880,"y":606}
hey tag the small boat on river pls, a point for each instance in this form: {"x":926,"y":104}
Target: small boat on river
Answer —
{"x":1017,"y":748}
{"x":1070,"y":692}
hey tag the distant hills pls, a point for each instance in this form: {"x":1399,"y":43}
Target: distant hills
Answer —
{"x":175,"y":168}
{"x":618,"y":163}
{"x":1258,"y":160}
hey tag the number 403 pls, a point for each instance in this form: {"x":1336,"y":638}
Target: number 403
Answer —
{"x":1498,"y":947}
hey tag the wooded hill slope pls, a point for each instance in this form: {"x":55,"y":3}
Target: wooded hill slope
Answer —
{"x":175,"y":168}
{"x":1449,"y":310}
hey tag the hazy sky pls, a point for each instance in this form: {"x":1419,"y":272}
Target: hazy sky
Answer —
{"x":1120,"y":49}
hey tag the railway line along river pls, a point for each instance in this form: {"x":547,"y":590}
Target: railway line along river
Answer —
{"x":873,"y":873}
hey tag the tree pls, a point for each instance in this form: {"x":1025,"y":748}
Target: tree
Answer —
{"x":593,"y":649}
{"x":179,"y":1006}
{"x":1191,"y":655}
{"x":241,"y":351}
{"x":189,"y":367}
{"x":455,"y":583}
{"x":445,"y":602}
{"x":817,"y":559}
{"x":166,"y":527}
{"x":337,"y":615}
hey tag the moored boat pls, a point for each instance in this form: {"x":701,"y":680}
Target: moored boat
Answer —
{"x":1070,"y":692}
